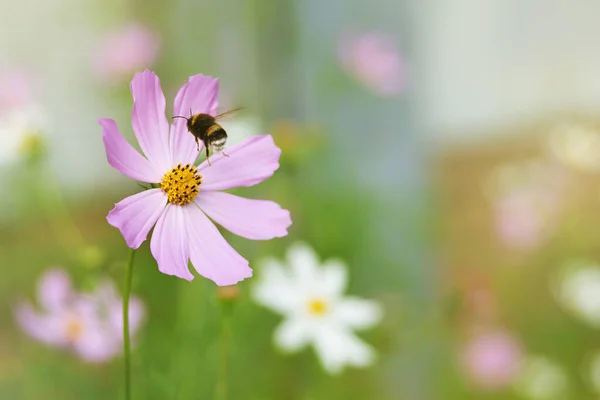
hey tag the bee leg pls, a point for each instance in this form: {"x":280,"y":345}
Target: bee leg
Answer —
{"x":197,"y":144}
{"x":207,"y":155}
{"x":224,"y":154}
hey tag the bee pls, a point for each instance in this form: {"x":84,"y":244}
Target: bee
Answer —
{"x":204,"y":127}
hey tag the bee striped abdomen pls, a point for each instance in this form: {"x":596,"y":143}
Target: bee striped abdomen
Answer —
{"x":216,"y":136}
{"x":215,"y":130}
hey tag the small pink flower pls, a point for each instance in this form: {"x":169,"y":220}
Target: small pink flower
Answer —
{"x":492,"y":360}
{"x":520,"y":224}
{"x":526,"y":200}
{"x":187,"y":194}
{"x":373,"y":60}
{"x":88,"y":324}
{"x":123,"y":52}
{"x":525,"y":217}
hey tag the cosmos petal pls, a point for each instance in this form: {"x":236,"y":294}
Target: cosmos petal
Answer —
{"x":54,"y":290}
{"x":275,"y":288}
{"x":123,"y":157}
{"x":338,"y":348}
{"x":135,"y":215}
{"x":292,"y":335}
{"x":107,"y":296}
{"x":246,"y":164}
{"x":334,"y":278}
{"x":356,"y":313}
{"x":199,"y":95}
{"x":45,"y":328}
{"x":304,"y":265}
{"x":252,"y":219}
{"x":137,"y":312}
{"x":96,"y":345}
{"x":148,"y":119}
{"x":169,"y":243}
{"x":210,"y":253}
{"x":95,"y":342}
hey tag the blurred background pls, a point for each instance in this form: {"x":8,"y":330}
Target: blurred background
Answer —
{"x":447,"y":151}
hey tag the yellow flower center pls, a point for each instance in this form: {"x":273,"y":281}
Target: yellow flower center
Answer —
{"x":317,"y":307}
{"x":181,"y":184}
{"x":74,"y":330}
{"x":30,"y":144}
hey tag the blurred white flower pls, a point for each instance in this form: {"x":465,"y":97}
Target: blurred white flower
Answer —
{"x":541,"y":379}
{"x":310,"y":297}
{"x":577,"y":146}
{"x":21,"y":118}
{"x":578,"y":290}
{"x":241,"y":128}
{"x":19,"y":128}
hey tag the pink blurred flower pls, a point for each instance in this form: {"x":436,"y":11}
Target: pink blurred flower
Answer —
{"x":188,"y":194}
{"x":526,"y":199}
{"x":125,"y":51}
{"x":520,"y":223}
{"x":492,"y":359}
{"x":374,"y":60}
{"x":87,"y":323}
{"x":15,"y":89}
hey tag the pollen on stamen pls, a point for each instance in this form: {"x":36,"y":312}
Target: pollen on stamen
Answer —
{"x":317,"y":307}
{"x":181,"y":184}
{"x":74,"y":329}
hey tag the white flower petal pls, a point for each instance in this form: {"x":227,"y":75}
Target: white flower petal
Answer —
{"x":292,"y":335}
{"x":334,"y":278}
{"x":356,"y":313}
{"x":338,"y":348}
{"x":304,"y":264}
{"x":275,"y":288}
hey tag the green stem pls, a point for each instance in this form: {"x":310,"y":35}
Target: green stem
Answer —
{"x":221,"y":392}
{"x":53,"y":203}
{"x":126,"y":343}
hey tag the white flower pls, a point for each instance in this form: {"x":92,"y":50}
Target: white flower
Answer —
{"x":310,"y":298}
{"x":577,"y":146}
{"x":578,"y":290}
{"x":17,"y":127}
{"x":541,"y":379}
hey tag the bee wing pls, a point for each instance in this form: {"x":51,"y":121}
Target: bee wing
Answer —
{"x":226,"y":113}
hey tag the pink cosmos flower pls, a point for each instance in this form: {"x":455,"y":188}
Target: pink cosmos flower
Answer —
{"x":88,"y":324}
{"x":125,"y":51}
{"x":187,"y":195}
{"x":492,"y":360}
{"x":373,"y":60}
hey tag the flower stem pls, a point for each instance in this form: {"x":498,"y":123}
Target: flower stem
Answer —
{"x":126,"y":343}
{"x":221,"y":392}
{"x":52,"y":202}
